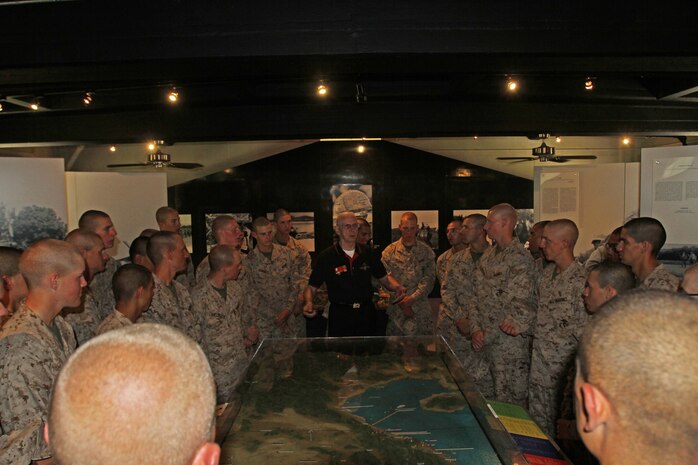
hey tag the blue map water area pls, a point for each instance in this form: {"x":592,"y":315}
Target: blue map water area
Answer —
{"x":395,"y":408}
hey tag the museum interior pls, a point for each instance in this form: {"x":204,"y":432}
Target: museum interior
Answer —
{"x":228,"y":107}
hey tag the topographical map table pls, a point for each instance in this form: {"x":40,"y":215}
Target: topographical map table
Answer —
{"x":363,"y":401}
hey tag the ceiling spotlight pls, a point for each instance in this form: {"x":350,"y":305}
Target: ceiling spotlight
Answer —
{"x":626,"y":140}
{"x":1,"y":108}
{"x":512,"y":84}
{"x":88,"y":98}
{"x":589,"y":83}
{"x":474,"y":137}
{"x":151,"y":146}
{"x":558,"y":139}
{"x":322,"y":89}
{"x":112,"y":148}
{"x":228,"y":171}
{"x":361,"y":149}
{"x":173,"y":95}
{"x":34,"y":106}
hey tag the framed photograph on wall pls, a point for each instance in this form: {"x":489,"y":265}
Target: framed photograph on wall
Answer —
{"x":303,"y":228}
{"x":427,"y":226}
{"x":523,"y":226}
{"x":356,"y":198}
{"x":185,"y":231}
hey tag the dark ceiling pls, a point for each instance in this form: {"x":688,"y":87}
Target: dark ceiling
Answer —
{"x":248,"y":70}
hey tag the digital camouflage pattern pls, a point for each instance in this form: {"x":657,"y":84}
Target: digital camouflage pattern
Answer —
{"x":662,"y":279}
{"x":301,"y":259}
{"x":102,"y":290}
{"x":202,"y":270}
{"x":17,"y":447}
{"x":505,"y":293}
{"x":30,"y":359}
{"x":114,"y":320}
{"x":187,"y":278}
{"x":84,"y":319}
{"x":415,"y":270}
{"x":171,"y":305}
{"x":224,"y":326}
{"x":560,"y":321}
{"x":272,"y":286}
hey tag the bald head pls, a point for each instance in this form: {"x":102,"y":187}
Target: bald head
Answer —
{"x":168,"y":219}
{"x":407,"y":217}
{"x":46,"y":257}
{"x":506,"y":212}
{"x":690,"y":280}
{"x":84,"y":240}
{"x":127,"y":279}
{"x":90,"y":219}
{"x":565,"y":230}
{"x":141,"y":394}
{"x":344,"y":217}
{"x":639,"y":353}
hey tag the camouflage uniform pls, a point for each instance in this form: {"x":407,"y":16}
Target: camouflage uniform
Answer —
{"x":505,"y":293}
{"x":17,"y":447}
{"x":561,"y":319}
{"x":301,"y":258}
{"x":171,"y":305}
{"x":187,"y":278}
{"x":223,"y":331}
{"x":414,"y":269}
{"x":114,"y":320}
{"x":202,"y":270}
{"x":102,"y":290}
{"x":457,"y":295}
{"x":449,"y":309}
{"x":30,"y":358}
{"x":660,"y":278}
{"x":273,"y":286}
{"x":84,"y":319}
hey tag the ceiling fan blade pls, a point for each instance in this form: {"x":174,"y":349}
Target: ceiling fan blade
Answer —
{"x":186,"y":166}
{"x":578,"y":157}
{"x":517,"y":158}
{"x":558,"y":159}
{"x":128,"y":165}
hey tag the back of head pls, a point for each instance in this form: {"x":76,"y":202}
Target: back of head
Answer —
{"x":88,"y":219}
{"x":505,"y":211}
{"x":9,"y":261}
{"x":48,"y":256}
{"x":646,"y":229}
{"x":84,"y":240}
{"x":640,"y":351}
{"x":220,"y":222}
{"x":162,"y":213}
{"x":478,"y":220}
{"x":221,"y":256}
{"x":148,"y":232}
{"x":617,"y":275}
{"x":260,"y":222}
{"x":142,"y":395}
{"x":159,"y":243}
{"x":139,"y":246}
{"x":127,"y":279}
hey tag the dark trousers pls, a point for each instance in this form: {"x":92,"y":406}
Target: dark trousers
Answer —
{"x":316,"y":326}
{"x":346,"y":321}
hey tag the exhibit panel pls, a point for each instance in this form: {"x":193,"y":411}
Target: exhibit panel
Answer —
{"x":363,"y":401}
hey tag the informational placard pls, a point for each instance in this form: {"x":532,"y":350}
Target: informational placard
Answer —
{"x":560,"y":195}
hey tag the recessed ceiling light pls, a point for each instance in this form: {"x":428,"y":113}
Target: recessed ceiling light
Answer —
{"x":361,"y":149}
{"x":512,"y":84}
{"x":322,"y":89}
{"x":558,"y":139}
{"x":112,"y":148}
{"x":173,"y":95}
{"x":34,"y":105}
{"x":151,"y":146}
{"x":589,"y":83}
{"x":88,"y":98}
{"x":228,"y":171}
{"x":474,"y":137}
{"x":626,"y":140}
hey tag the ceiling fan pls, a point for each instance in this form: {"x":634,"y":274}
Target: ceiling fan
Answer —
{"x":159,"y":159}
{"x":545,"y":153}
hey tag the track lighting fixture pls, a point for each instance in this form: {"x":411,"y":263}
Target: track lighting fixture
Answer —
{"x":360,"y":94}
{"x":34,"y":105}
{"x":361,"y":149}
{"x":151,"y":146}
{"x":626,"y":140}
{"x":87,"y":98}
{"x":112,"y":148}
{"x":558,"y":139}
{"x":589,"y":83}
{"x":512,"y":84}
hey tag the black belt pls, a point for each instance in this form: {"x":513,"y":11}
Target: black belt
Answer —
{"x":352,"y":304}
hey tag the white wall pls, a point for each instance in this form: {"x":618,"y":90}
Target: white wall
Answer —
{"x":130,"y":199}
{"x":607,"y":195}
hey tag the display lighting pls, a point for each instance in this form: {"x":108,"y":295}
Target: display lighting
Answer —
{"x":475,"y":137}
{"x":88,"y":98}
{"x":112,"y":148}
{"x":512,"y":84}
{"x":34,"y":106}
{"x":589,"y":83}
{"x":173,"y":95}
{"x":322,"y":89}
{"x":1,"y":108}
{"x":626,"y":140}
{"x":558,"y":139}
{"x":151,"y":146}
{"x":361,"y":149}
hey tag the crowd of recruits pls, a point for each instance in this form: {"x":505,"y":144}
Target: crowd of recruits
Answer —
{"x":165,"y":256}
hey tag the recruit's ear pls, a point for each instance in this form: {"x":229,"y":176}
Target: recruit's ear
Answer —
{"x":208,"y":454}
{"x":596,"y":408}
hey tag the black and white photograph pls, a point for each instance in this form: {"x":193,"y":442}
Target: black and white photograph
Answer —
{"x":31,"y":211}
{"x":427,"y":226}
{"x":303,"y":228}
{"x":524,"y":221}
{"x":356,"y":198}
{"x":185,"y":231}
{"x":677,"y":257}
